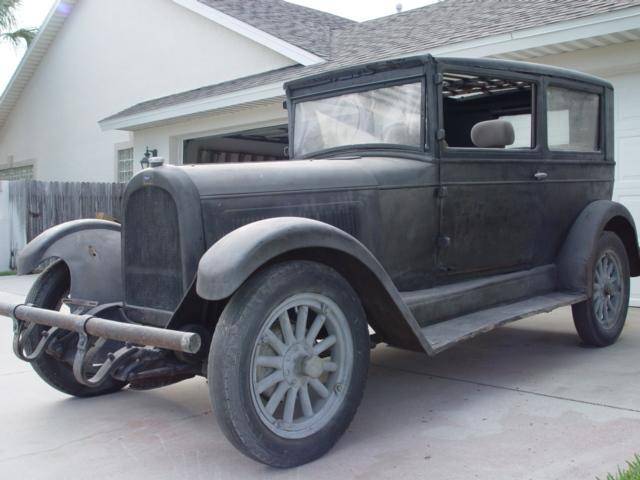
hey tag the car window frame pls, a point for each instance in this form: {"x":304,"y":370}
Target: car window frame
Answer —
{"x":576,"y":156}
{"x":533,"y":154}
{"x":360,"y":84}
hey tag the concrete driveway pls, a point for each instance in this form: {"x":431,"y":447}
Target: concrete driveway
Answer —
{"x":524,"y":402}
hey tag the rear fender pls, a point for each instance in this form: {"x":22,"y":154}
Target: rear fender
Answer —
{"x":236,"y":256}
{"x":91,"y":250}
{"x":574,"y":261}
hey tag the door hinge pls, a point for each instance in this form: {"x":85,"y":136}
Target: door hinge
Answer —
{"x":438,"y":78}
{"x":443,"y":241}
{"x":440,"y":134}
{"x":441,"y":192}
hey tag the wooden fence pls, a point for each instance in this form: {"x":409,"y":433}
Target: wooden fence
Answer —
{"x":35,"y":206}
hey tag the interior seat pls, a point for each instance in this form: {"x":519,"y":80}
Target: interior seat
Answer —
{"x":493,"y":134}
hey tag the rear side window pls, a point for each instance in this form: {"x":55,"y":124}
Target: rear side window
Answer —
{"x":573,"y":120}
{"x":470,"y":100}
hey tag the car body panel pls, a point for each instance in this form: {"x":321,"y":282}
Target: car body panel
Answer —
{"x":429,"y":216}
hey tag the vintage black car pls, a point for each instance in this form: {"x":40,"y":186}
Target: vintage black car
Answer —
{"x":426,"y":200}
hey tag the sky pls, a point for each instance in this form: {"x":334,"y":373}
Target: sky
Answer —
{"x":33,"y":12}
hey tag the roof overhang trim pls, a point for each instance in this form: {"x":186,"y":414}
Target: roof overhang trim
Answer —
{"x":34,"y":54}
{"x":272,"y":42}
{"x":241,"y":97}
{"x":536,"y":37}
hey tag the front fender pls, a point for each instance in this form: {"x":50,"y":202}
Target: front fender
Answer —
{"x":92,"y":251}
{"x":237,"y":255}
{"x":574,"y":260}
{"x":233,"y":258}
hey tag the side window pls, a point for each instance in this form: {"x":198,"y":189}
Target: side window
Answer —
{"x":17,"y":173}
{"x":487,"y":112}
{"x":125,"y":165}
{"x":573,"y":120}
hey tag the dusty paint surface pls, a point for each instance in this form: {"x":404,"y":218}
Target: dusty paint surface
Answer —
{"x":525,"y":401}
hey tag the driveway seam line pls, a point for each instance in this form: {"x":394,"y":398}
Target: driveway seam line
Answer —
{"x":512,"y":389}
{"x":90,"y":436}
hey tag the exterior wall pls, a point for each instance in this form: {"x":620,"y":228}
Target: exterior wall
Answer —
{"x":5,"y":228}
{"x":108,"y":56}
{"x":602,"y":61}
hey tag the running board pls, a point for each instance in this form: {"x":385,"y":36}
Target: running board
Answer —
{"x":444,"y":302}
{"x":448,"y":333}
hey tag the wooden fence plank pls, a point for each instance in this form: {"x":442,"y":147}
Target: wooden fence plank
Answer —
{"x":42,"y":205}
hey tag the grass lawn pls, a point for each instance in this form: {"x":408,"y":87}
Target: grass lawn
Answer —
{"x":631,"y":472}
{"x":7,"y":273}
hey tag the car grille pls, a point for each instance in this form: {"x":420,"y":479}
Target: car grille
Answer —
{"x":152,"y":262}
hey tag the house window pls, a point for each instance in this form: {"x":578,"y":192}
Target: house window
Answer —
{"x":125,"y":164}
{"x":572,"y":120}
{"x":17,"y":173}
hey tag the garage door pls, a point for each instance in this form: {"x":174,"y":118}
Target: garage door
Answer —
{"x":257,"y":145}
{"x":627,"y":118}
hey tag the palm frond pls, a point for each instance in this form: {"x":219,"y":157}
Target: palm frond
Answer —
{"x":8,"y":14}
{"x":26,"y":34}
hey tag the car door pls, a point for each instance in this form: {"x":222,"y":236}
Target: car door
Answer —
{"x":491,"y":214}
{"x":578,"y":163}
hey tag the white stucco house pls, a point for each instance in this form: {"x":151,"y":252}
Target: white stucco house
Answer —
{"x":201,"y":80}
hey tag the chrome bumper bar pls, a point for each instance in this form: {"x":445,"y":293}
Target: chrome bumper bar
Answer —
{"x":100,"y":327}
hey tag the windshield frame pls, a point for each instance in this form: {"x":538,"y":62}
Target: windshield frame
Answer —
{"x":363,"y":84}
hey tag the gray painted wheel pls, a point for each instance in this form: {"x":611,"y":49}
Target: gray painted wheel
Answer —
{"x":600,"y":319}
{"x":301,"y":362}
{"x":288,"y":363}
{"x":608,"y":289}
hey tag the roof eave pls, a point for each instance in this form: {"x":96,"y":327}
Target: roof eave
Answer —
{"x":551,"y":34}
{"x":248,"y":96}
{"x":272,"y":42}
{"x":34,"y":54}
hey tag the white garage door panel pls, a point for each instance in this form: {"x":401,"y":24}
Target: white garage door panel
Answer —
{"x":627,"y":146}
{"x":632,"y":202}
{"x":628,"y":170}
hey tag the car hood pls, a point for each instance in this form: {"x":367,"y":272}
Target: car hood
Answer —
{"x":278,"y":176}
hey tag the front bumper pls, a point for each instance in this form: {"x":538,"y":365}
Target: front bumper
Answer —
{"x":140,"y":341}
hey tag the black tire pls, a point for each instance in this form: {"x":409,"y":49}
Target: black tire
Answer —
{"x":48,"y":292}
{"x":592,"y":330}
{"x":231,"y":352}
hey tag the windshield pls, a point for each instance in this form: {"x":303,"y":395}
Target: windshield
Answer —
{"x":390,"y":115}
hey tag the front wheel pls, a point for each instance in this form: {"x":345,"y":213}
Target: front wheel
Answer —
{"x":48,"y":292}
{"x":600,"y":319}
{"x":288,"y":363}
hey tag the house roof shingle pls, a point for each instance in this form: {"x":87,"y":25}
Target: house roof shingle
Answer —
{"x":303,"y":27}
{"x":351,"y":43}
{"x":454,"y":21}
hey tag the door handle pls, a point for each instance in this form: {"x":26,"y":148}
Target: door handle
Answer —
{"x":540,"y":175}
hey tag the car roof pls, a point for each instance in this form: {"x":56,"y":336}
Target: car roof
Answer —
{"x":525,"y":67}
{"x":420,"y":60}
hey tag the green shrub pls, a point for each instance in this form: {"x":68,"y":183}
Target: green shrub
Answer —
{"x":632,"y":472}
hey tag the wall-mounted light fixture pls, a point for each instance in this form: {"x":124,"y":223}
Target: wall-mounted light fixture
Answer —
{"x":144,"y":161}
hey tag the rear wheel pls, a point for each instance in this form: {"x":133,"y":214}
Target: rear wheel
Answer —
{"x":600,"y":319}
{"x":288,"y":363}
{"x":49,"y":290}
